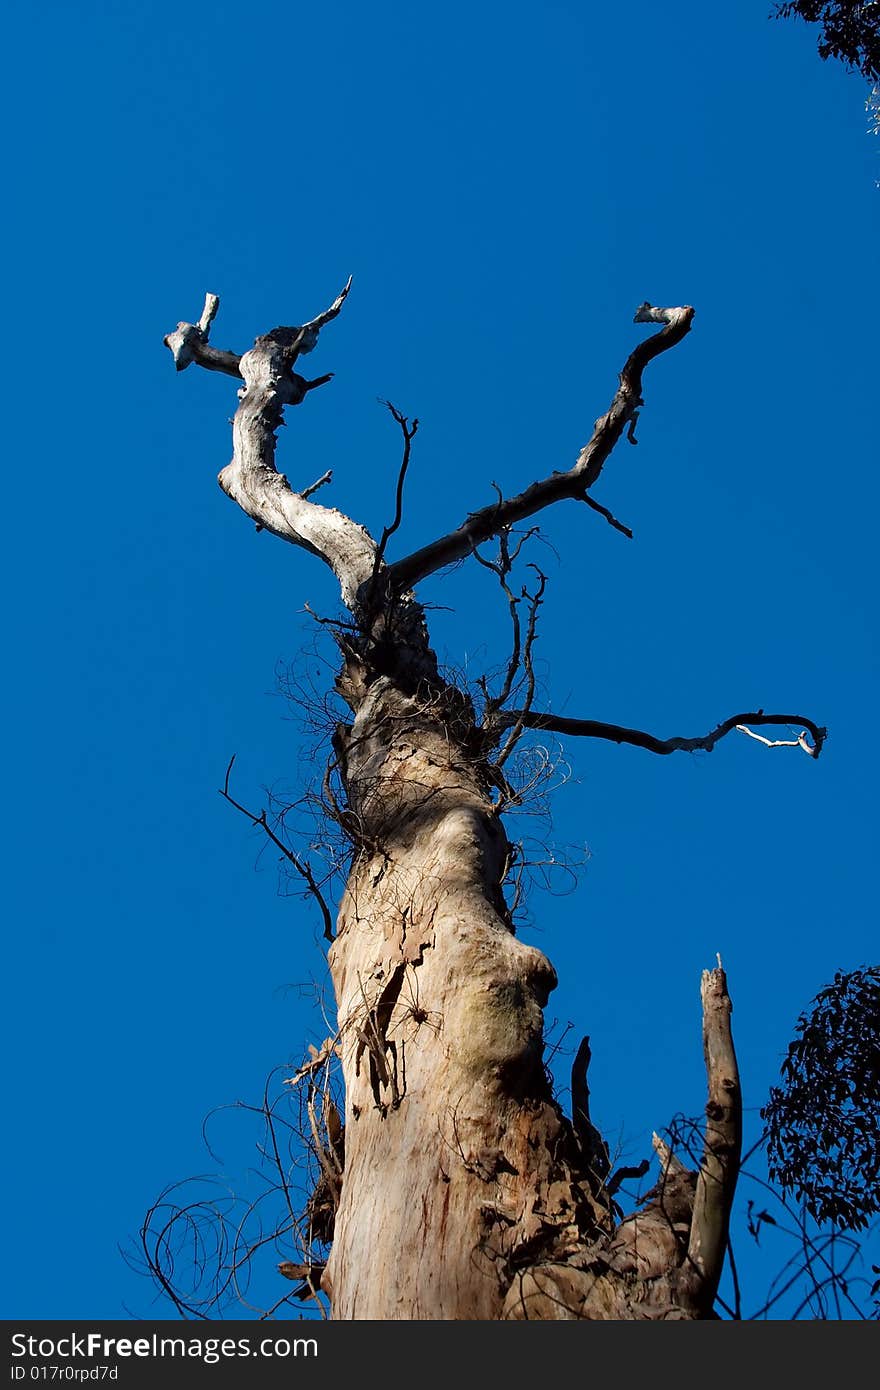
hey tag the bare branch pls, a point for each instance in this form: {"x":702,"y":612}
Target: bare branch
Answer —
{"x":616,"y":733}
{"x":251,"y":479}
{"x":311,"y":329}
{"x":301,"y":865}
{"x":719,"y":1169}
{"x":320,"y":482}
{"x":736,"y":1310}
{"x":209,"y":313}
{"x":319,"y":1059}
{"x":670,"y":1164}
{"x":479,"y":526}
{"x":800,"y":742}
{"x":501,"y":568}
{"x":189,"y":343}
{"x":609,"y":516}
{"x":649,"y":313}
{"x":409,"y":433}
{"x":594,"y":1146}
{"x":627,"y":1173}
{"x":534,"y":601}
{"x":297,"y":339}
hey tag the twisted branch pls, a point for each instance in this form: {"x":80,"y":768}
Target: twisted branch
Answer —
{"x":252,"y":479}
{"x":616,"y":733}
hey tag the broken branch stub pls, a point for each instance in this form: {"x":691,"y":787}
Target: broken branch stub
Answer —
{"x":189,"y":343}
{"x":719,"y":1168}
{"x":251,"y":479}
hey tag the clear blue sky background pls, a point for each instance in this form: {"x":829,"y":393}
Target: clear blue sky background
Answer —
{"x":506,"y":183}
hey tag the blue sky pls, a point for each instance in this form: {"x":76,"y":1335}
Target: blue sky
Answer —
{"x":506,"y":184}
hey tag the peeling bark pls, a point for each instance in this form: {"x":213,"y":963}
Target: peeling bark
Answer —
{"x":458,"y":1161}
{"x":467,"y":1192}
{"x":457,"y":1188}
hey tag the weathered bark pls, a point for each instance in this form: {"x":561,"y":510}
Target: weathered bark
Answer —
{"x":251,"y":479}
{"x":466,"y":1193}
{"x":458,"y":1163}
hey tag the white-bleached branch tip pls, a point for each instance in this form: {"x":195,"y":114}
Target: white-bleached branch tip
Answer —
{"x":649,"y":313}
{"x":209,"y":313}
{"x":802,"y":740}
{"x":189,"y":343}
{"x":337,"y":304}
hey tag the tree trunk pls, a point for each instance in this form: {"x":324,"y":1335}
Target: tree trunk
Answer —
{"x":457,"y":1161}
{"x":467,"y":1194}
{"x":457,"y":1188}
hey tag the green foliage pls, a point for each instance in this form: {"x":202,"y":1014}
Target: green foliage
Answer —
{"x":850,"y":30}
{"x":823,"y":1122}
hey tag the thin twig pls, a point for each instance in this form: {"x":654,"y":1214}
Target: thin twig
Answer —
{"x":324,"y":478}
{"x":609,"y":516}
{"x":409,"y":432}
{"x":501,"y":568}
{"x":518,"y":725}
{"x":737,"y":1307}
{"x":302,"y":866}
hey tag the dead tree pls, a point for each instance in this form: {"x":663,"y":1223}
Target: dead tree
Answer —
{"x":466,"y":1193}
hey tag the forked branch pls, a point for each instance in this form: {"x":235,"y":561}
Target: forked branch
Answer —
{"x":270,"y":383}
{"x":534,"y":601}
{"x":501,"y":568}
{"x":189,"y":343}
{"x":252,"y":479}
{"x":621,"y":416}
